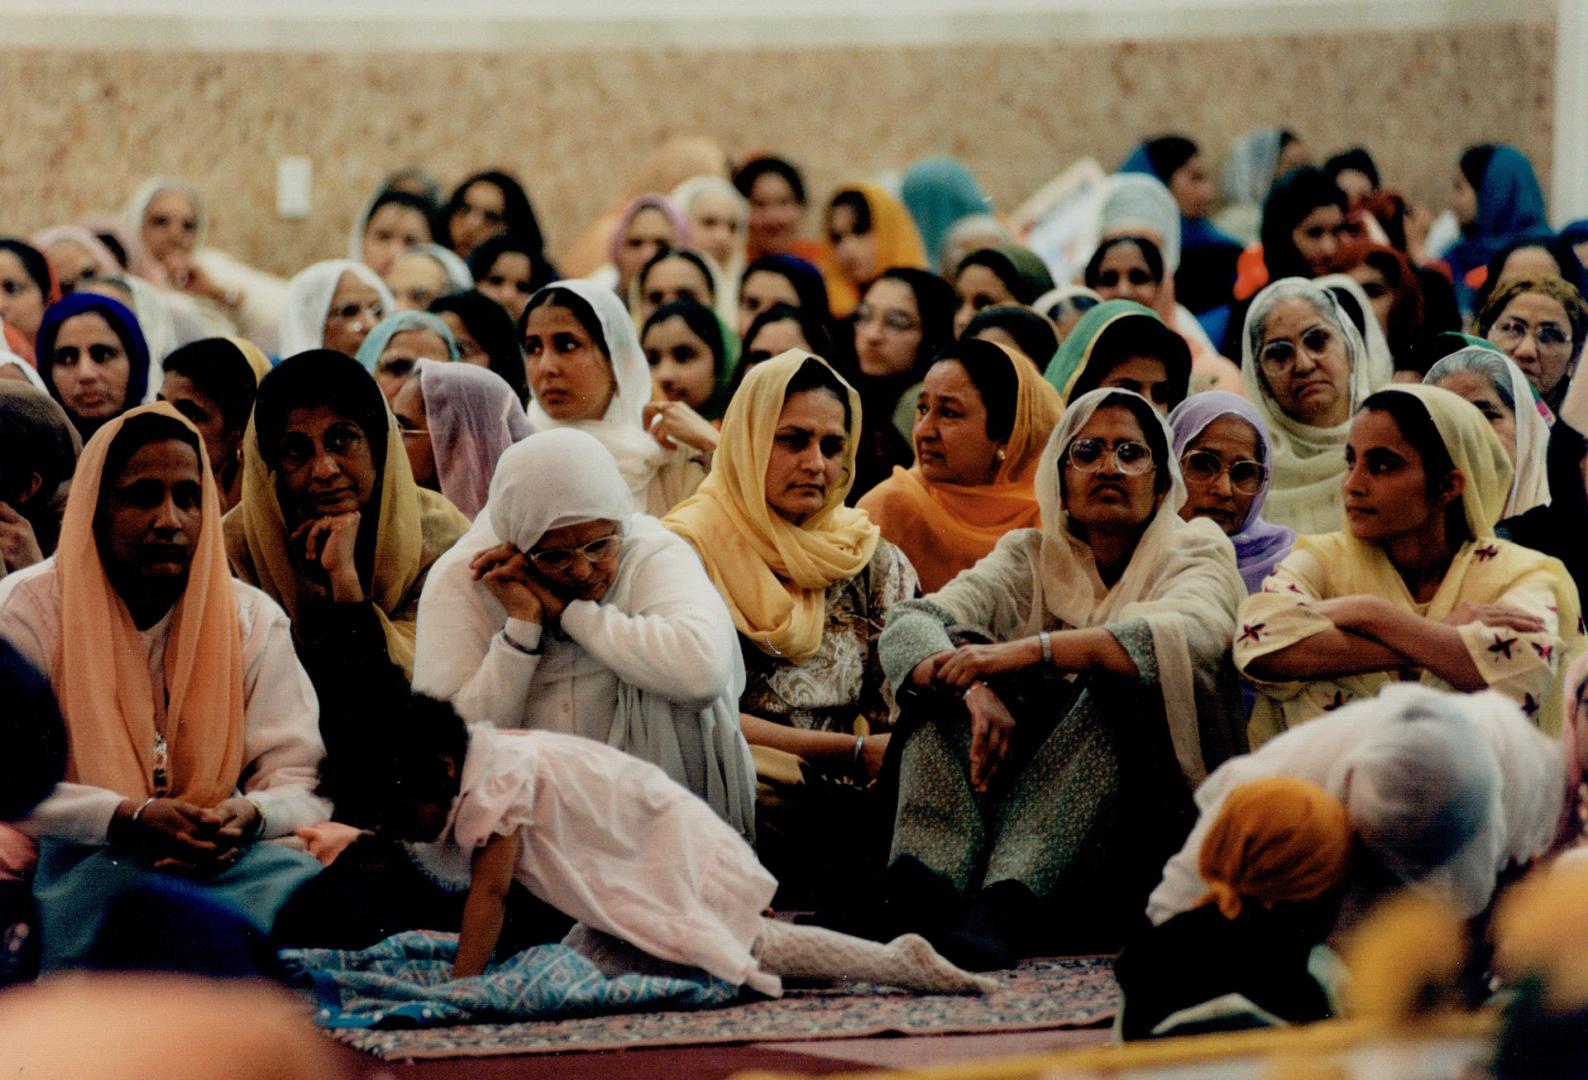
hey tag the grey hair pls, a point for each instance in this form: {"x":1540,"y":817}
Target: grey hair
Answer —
{"x":1321,"y":299}
{"x":1493,"y":366}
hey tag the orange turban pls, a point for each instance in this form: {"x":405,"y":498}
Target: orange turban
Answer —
{"x":1274,"y":840}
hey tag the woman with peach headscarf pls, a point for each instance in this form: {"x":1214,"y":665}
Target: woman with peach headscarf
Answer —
{"x":983,"y":415}
{"x":868,"y":231}
{"x":190,"y":721}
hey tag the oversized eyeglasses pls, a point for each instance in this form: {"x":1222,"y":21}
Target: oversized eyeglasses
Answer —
{"x":1203,"y":468}
{"x":556,"y":560}
{"x":1130,"y":458}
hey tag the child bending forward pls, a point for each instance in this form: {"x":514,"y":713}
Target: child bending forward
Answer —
{"x":611,"y":841}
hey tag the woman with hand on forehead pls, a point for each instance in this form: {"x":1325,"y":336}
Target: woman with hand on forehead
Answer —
{"x":564,"y":610}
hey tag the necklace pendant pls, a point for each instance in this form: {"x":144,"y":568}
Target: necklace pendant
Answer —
{"x":162,"y":765}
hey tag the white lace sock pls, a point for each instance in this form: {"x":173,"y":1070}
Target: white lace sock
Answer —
{"x":909,"y":961}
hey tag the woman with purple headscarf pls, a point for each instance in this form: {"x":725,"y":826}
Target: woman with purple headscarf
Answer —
{"x":1222,"y":445}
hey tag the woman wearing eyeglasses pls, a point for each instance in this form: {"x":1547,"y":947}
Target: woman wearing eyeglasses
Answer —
{"x":1306,"y":370}
{"x":1223,"y":448}
{"x":1044,"y":774}
{"x":333,"y":305}
{"x":1416,"y":587}
{"x":1541,"y":323}
{"x":564,"y":610}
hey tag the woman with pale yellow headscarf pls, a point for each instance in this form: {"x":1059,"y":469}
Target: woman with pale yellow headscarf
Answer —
{"x":868,"y":231}
{"x":808,"y":582}
{"x":983,"y":416}
{"x":333,"y":527}
{"x":1417,"y":586}
{"x":191,"y":723}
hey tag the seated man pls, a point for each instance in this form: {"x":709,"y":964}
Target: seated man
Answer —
{"x":191,"y":724}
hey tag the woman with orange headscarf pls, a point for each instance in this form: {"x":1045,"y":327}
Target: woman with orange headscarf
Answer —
{"x":192,"y":725}
{"x":1274,"y":859}
{"x":868,"y":231}
{"x":983,"y":416}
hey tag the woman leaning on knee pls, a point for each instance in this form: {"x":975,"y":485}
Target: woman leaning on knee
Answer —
{"x":1046,"y":774}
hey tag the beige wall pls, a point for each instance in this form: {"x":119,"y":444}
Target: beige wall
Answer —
{"x":83,"y":128}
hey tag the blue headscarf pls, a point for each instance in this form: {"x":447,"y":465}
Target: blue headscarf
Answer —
{"x":1510,"y":204}
{"x":392,"y":325}
{"x":1162,"y":158}
{"x":122,"y":321}
{"x":938,"y":192}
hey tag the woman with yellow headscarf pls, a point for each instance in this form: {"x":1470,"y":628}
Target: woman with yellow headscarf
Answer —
{"x":868,"y":231}
{"x":1416,"y":587}
{"x":189,"y":720}
{"x":333,"y":527}
{"x":808,"y":582}
{"x":983,"y":416}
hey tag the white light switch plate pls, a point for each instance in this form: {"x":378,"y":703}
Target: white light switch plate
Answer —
{"x":294,"y":176}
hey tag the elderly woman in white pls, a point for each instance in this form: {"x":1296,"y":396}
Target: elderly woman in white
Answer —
{"x":564,"y":610}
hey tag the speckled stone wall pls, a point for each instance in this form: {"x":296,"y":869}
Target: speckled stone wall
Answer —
{"x":82,"y":129}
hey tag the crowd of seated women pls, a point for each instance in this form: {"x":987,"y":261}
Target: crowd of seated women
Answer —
{"x":1187,"y":601}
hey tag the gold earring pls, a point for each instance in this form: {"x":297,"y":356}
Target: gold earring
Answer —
{"x":1001,"y":454}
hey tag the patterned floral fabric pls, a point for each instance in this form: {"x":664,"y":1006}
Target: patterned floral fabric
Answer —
{"x":844,"y":679}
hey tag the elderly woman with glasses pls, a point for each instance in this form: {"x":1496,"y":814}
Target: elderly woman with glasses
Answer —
{"x":1060,"y":700}
{"x":1541,"y":323}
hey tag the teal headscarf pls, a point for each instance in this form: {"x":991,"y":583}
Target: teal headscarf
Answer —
{"x":387,"y":328}
{"x":939,"y":192}
{"x":1069,"y":364}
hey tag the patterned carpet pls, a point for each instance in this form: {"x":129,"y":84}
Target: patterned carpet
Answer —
{"x":1057,"y":993}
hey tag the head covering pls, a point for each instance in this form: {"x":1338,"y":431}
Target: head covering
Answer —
{"x":1070,"y":371}
{"x":408,"y":530}
{"x":897,"y":244}
{"x":1276,"y":840}
{"x":308,"y":302}
{"x":139,"y":260}
{"x":1250,"y":165}
{"x":1380,"y":360}
{"x":1530,"y":484}
{"x":1135,"y":204}
{"x":376,"y":341}
{"x":459,"y":278}
{"x":806,"y":279}
{"x":1259,"y":546}
{"x":1021,"y":270}
{"x":122,"y":321}
{"x":104,"y":260}
{"x":36,"y":436}
{"x":1050,"y":300}
{"x":29,"y":372}
{"x":1033,"y":333}
{"x":102,"y":676}
{"x":529,"y":496}
{"x":473,"y":416}
{"x":682,"y":230}
{"x":622,"y":429}
{"x":1474,"y":449}
{"x":1509,"y":198}
{"x":154,"y":320}
{"x":774,"y":575}
{"x":1423,"y":787}
{"x":1072,"y":591}
{"x":945,"y":528}
{"x":1405,"y":327}
{"x":939,"y":191}
{"x":489,"y":324}
{"x":684,"y":197}
{"x":1308,"y":461}
{"x":968,"y":234}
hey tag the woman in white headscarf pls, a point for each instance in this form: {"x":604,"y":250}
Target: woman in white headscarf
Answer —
{"x":333,"y":305}
{"x":1105,"y":697}
{"x":1444,"y":791}
{"x":167,"y":221}
{"x":588,"y":371}
{"x":719,"y":218}
{"x":564,"y":610}
{"x":1375,"y":344}
{"x":1135,"y":204}
{"x":1304,"y":366}
{"x":1491,"y":380}
{"x":457,"y":420}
